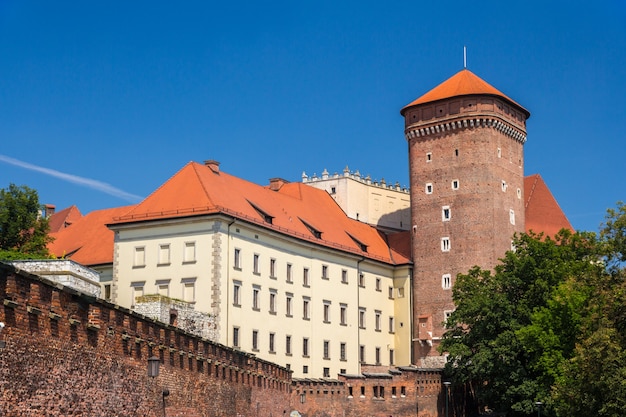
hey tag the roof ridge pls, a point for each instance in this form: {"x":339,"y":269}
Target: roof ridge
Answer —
{"x":206,"y":192}
{"x":532,"y":190}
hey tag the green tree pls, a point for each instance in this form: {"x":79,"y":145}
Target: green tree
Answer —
{"x":23,"y":232}
{"x":513,"y":328}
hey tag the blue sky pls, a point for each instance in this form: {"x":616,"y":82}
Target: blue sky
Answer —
{"x":102,"y":102}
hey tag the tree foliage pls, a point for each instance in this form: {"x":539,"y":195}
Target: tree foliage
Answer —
{"x":548,"y":324}
{"x":23,"y":232}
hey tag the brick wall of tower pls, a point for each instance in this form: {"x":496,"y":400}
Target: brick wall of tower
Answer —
{"x":478,"y":143}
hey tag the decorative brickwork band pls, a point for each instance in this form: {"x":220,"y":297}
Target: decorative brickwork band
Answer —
{"x":497,"y":124}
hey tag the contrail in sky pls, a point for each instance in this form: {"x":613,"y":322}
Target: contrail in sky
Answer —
{"x":87,"y":182}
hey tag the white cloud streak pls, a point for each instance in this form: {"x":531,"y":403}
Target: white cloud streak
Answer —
{"x":86,"y":182}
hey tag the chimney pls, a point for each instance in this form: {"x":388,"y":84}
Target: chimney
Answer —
{"x":277,"y":183}
{"x":213,"y":165}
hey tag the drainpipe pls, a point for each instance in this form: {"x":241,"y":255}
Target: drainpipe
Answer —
{"x":358,"y":306}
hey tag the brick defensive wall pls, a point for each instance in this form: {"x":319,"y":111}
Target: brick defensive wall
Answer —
{"x":65,"y":353}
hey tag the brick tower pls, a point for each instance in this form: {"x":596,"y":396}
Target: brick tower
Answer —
{"x":466,"y":166}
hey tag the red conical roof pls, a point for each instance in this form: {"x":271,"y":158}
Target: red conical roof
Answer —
{"x":463,"y":83}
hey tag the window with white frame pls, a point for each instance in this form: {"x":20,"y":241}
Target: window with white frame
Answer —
{"x":236,"y":336}
{"x":429,"y":156}
{"x":288,"y":345}
{"x":271,"y":343}
{"x":504,"y":186}
{"x":305,"y":277}
{"x":343,"y":314}
{"x":326,"y":308}
{"x":164,"y":254}
{"x":344,"y":276}
{"x":272,"y":301}
{"x":455,"y":184}
{"x":163,"y":287}
{"x":189,"y":252}
{"x":390,"y":293}
{"x":324,"y":271}
{"x":512,"y":216}
{"x":326,"y":349}
{"x":306,"y":308}
{"x":392,"y":325}
{"x":342,"y":351}
{"x":237,"y":293}
{"x":255,"y":340}
{"x":255,"y":298}
{"x":446,"y":281}
{"x":429,"y":188}
{"x":189,"y":289}
{"x":445,"y":213}
{"x":361,"y":280}
{"x":255,"y":264}
{"x":377,"y":315}
{"x":237,"y":259}
{"x":289,"y":305}
{"x":378,"y":287}
{"x":289,"y":273}
{"x":362,"y":353}
{"x":362,"y":317}
{"x":445,"y":244}
{"x":305,"y":347}
{"x":272,"y":268}
{"x":139,"y":259}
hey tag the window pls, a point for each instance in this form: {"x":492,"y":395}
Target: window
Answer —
{"x":289,"y":305}
{"x":255,"y":298}
{"x":343,"y":312}
{"x":362,"y":353}
{"x":362,"y":391}
{"x":504,"y":186}
{"x":305,"y":370}
{"x":390,"y":293}
{"x":393,"y":389}
{"x":446,"y":281}
{"x":361,"y":318}
{"x":377,"y":356}
{"x":326,"y":311}
{"x":391,"y":358}
{"x":403,"y":391}
{"x":164,"y":254}
{"x":349,"y":390}
{"x":378,"y":284}
{"x":445,"y":213}
{"x":140,"y":257}
{"x":271,"y":344}
{"x":446,"y":315}
{"x":289,"y":273}
{"x":137,"y":291}
{"x":342,"y":351}
{"x":189,"y":289}
{"x":189,"y":252}
{"x":326,"y":372}
{"x":429,"y":157}
{"x":255,"y":264}
{"x":237,"y":259}
{"x":237,"y":293}
{"x":344,"y":276}
{"x":236,"y":336}
{"x":377,"y":314}
{"x":272,"y":268}
{"x":305,"y":347}
{"x":512,"y":216}
{"x":305,"y":277}
{"x":400,"y":292}
{"x":107,"y":292}
{"x":445,"y":244}
{"x":324,"y":271}
{"x":519,"y":193}
{"x":362,"y":280}
{"x":288,"y":345}
{"x":392,"y":325}
{"x":272,"y":301}
{"x":429,"y":188}
{"x":455,"y":184}
{"x":305,"y":309}
{"x":326,"y":349}
{"x":499,"y":153}
{"x":163,"y":287}
{"x":255,"y":340}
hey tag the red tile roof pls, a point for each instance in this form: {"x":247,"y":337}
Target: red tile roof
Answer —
{"x":463,"y":83}
{"x":543,"y":213}
{"x":88,"y":240}
{"x":63,"y":218}
{"x":295,"y":209}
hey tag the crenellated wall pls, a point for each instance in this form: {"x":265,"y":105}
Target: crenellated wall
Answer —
{"x":66,"y":353}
